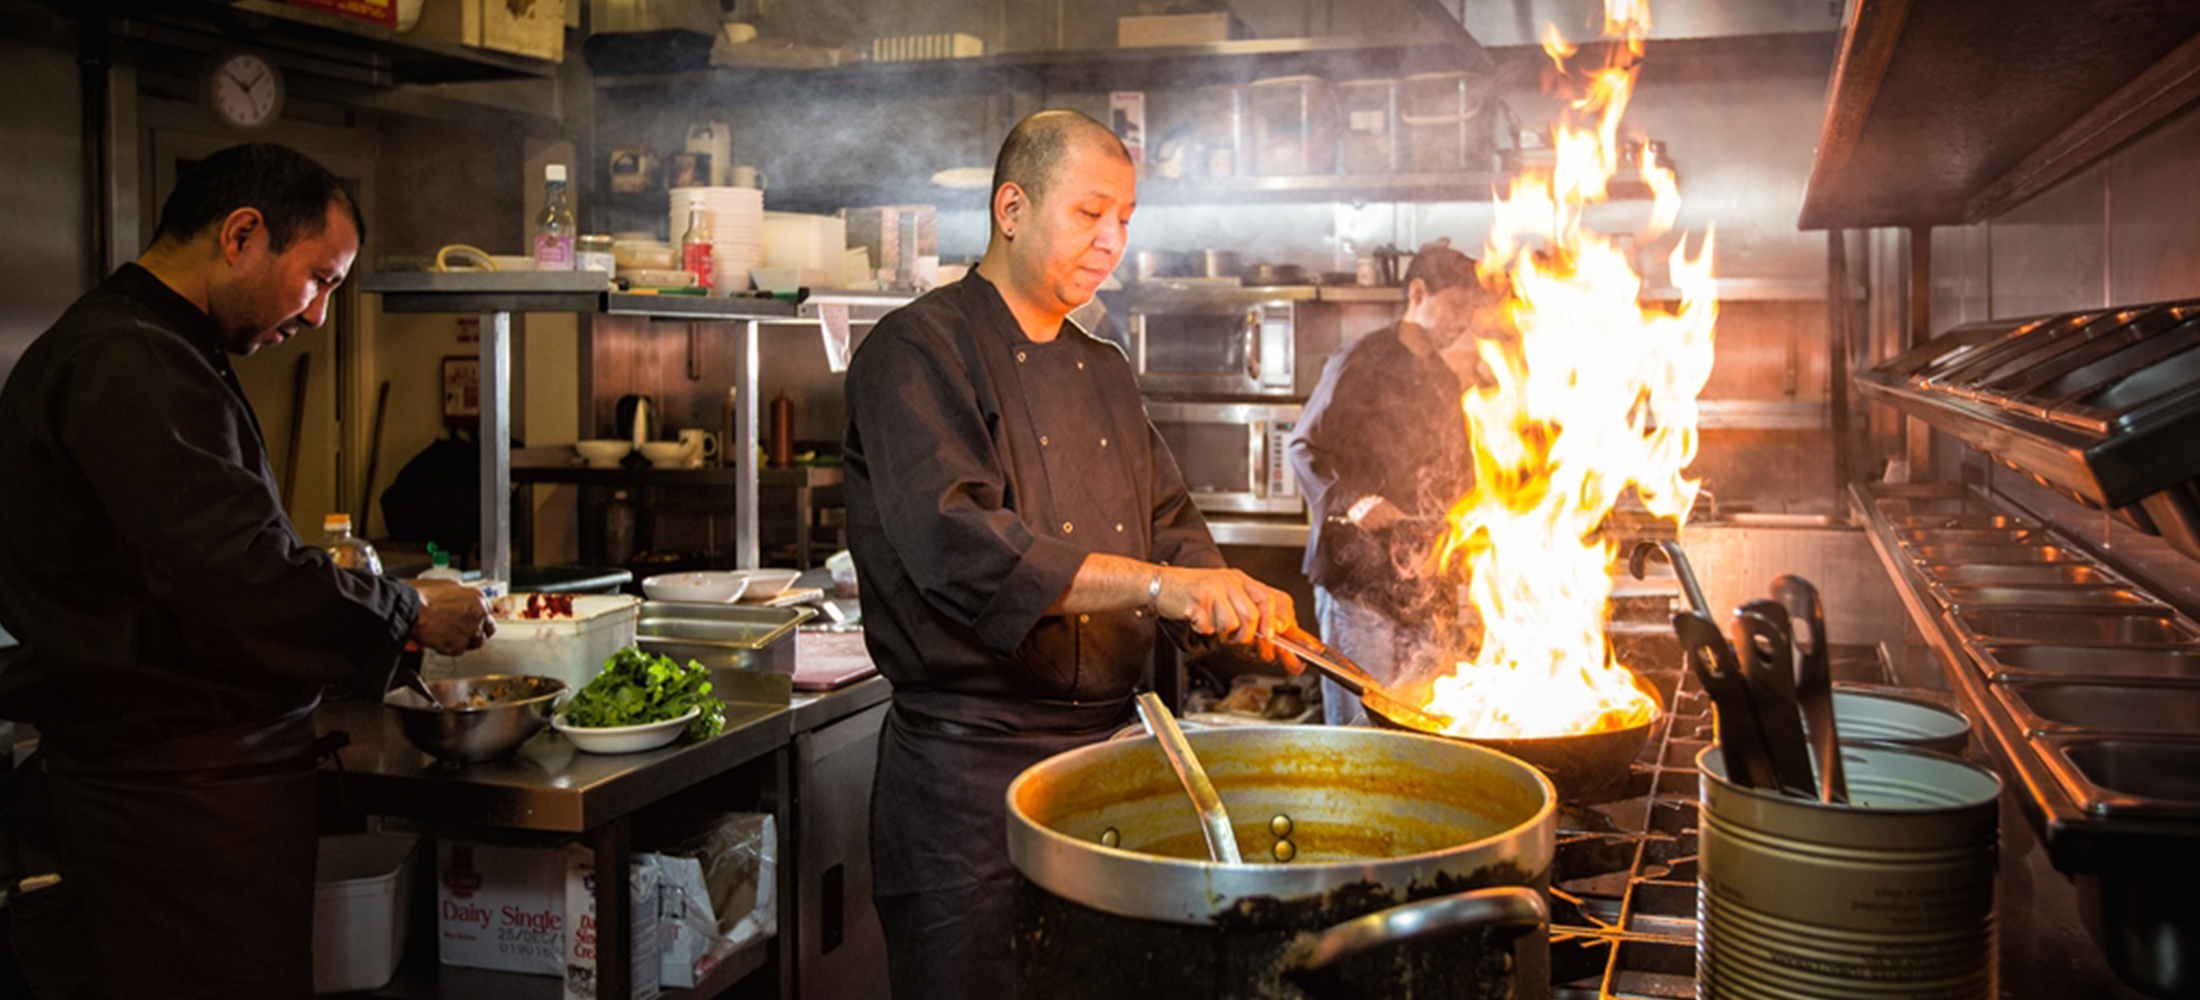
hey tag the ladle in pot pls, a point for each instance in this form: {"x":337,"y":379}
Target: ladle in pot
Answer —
{"x":1214,"y":820}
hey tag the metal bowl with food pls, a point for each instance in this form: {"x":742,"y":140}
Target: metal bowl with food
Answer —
{"x":479,"y":719}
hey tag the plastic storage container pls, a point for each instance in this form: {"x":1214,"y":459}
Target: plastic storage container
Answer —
{"x":1372,"y":141}
{"x":1294,"y":126}
{"x":361,"y":898}
{"x":572,"y":650}
{"x":1447,"y":121}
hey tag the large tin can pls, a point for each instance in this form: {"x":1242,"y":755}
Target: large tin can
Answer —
{"x":1889,"y":896}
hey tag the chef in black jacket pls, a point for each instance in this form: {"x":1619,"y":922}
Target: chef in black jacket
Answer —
{"x":1019,"y":530}
{"x":1381,"y":453}
{"x":176,"y":632}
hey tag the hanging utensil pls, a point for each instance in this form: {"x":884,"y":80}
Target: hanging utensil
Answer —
{"x":1711,"y":658}
{"x":1352,"y":677}
{"x":1768,"y":664}
{"x":1638,"y":561}
{"x":1214,"y":820}
{"x":1814,"y":681}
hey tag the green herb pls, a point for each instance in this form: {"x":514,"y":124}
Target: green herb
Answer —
{"x":637,"y":687}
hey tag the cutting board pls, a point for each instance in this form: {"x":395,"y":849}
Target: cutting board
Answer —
{"x":824,"y":661}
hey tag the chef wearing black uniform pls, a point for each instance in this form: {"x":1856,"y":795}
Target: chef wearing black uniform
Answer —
{"x":176,"y":632}
{"x":1019,"y":530}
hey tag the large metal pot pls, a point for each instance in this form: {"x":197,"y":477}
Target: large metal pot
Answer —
{"x":1379,"y":864}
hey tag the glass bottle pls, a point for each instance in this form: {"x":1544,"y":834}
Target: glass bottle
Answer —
{"x":554,"y":227}
{"x":695,"y":246}
{"x":348,"y":550}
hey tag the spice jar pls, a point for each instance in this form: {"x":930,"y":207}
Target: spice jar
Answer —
{"x":593,"y":253}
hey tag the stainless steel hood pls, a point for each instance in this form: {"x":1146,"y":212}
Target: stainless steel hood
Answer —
{"x":2101,"y":405}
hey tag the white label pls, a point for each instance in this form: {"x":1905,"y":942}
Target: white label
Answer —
{"x":1370,"y":121}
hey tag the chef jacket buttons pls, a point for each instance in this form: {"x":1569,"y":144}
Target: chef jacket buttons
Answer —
{"x":1084,"y":619}
{"x":1043,"y":442}
{"x":1019,"y":357}
{"x":1080,"y":366}
{"x":1068,"y":527}
{"x":1118,"y":529}
{"x":1103,"y":442}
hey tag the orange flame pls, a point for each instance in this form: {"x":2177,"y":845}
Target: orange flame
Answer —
{"x":1594,"y":396}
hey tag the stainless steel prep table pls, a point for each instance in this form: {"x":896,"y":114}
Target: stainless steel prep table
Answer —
{"x":551,"y":788}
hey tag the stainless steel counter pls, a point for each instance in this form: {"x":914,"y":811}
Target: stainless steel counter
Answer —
{"x":549,"y":786}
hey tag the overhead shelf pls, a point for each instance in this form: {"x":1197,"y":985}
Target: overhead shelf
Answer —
{"x":1951,"y":111}
{"x":369,"y":52}
{"x":1460,"y":186}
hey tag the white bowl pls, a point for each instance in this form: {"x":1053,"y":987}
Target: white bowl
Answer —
{"x":603,"y":453}
{"x":696,"y":588}
{"x":665,"y":454}
{"x":624,"y":739}
{"x":765,"y":584}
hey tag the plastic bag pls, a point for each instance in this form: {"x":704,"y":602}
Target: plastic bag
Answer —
{"x":717,"y":894}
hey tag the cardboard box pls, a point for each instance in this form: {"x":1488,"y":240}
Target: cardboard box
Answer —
{"x":580,"y":942}
{"x":1178,"y":29}
{"x":501,"y":907}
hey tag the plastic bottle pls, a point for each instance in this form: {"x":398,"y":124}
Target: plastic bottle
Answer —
{"x":442,"y":569}
{"x":554,"y":227}
{"x":695,"y":245}
{"x":348,"y":550}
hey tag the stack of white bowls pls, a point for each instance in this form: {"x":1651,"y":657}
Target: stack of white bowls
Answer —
{"x":736,"y":228}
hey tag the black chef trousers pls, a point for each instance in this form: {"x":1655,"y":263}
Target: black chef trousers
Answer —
{"x":186,"y":868}
{"x":943,"y":884}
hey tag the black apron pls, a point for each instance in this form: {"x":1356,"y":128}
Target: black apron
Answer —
{"x":186,"y":867}
{"x":939,"y":848}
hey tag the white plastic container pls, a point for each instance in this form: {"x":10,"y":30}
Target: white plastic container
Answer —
{"x":361,"y":897}
{"x":572,"y":650}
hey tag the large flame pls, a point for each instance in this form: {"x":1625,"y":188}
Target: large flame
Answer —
{"x":1594,"y":395}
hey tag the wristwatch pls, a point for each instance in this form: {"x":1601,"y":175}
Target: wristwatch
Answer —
{"x":1358,"y":511}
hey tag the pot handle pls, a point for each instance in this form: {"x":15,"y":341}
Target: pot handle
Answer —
{"x":1511,"y":907}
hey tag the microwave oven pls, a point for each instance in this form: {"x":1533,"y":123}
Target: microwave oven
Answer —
{"x":1232,"y":454}
{"x":1219,"y":342}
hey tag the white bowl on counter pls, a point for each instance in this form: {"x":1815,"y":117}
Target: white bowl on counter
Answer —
{"x":707,"y":587}
{"x":623,"y":739}
{"x":665,"y":454}
{"x":765,"y":584}
{"x":603,"y":453}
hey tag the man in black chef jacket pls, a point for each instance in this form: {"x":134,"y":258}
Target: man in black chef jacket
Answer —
{"x":1381,"y":453}
{"x":176,"y":632}
{"x":1019,"y":530}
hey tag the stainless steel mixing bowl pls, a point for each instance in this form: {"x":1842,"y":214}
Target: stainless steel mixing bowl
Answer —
{"x":482,"y":718}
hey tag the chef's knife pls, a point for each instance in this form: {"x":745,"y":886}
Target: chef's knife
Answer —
{"x":1814,"y":682}
{"x":1638,"y":561}
{"x":1708,"y":655}
{"x":1768,"y":664}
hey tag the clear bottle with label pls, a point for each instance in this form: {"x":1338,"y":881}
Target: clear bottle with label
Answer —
{"x":347,"y":549}
{"x":695,"y":245}
{"x":554,"y":228}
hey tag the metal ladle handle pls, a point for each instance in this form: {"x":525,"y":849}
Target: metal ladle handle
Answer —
{"x":1214,"y":820}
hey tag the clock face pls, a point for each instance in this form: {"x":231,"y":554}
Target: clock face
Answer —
{"x":245,"y":91}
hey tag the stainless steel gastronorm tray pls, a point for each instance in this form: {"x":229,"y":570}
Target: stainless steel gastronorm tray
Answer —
{"x":1971,"y":536}
{"x":2119,"y":627}
{"x":2017,"y":574}
{"x":1985,"y":598}
{"x":2119,"y":775}
{"x":2042,"y":661}
{"x":1950,"y":554}
{"x":2125,"y":709}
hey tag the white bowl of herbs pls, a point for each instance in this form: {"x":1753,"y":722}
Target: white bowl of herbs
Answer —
{"x":641,"y":701}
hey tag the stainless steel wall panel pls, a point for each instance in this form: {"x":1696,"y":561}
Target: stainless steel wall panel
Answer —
{"x":2050,"y":255}
{"x":45,"y":259}
{"x":2154,"y":216}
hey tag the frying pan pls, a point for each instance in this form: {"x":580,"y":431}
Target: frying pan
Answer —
{"x":1586,"y":767}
